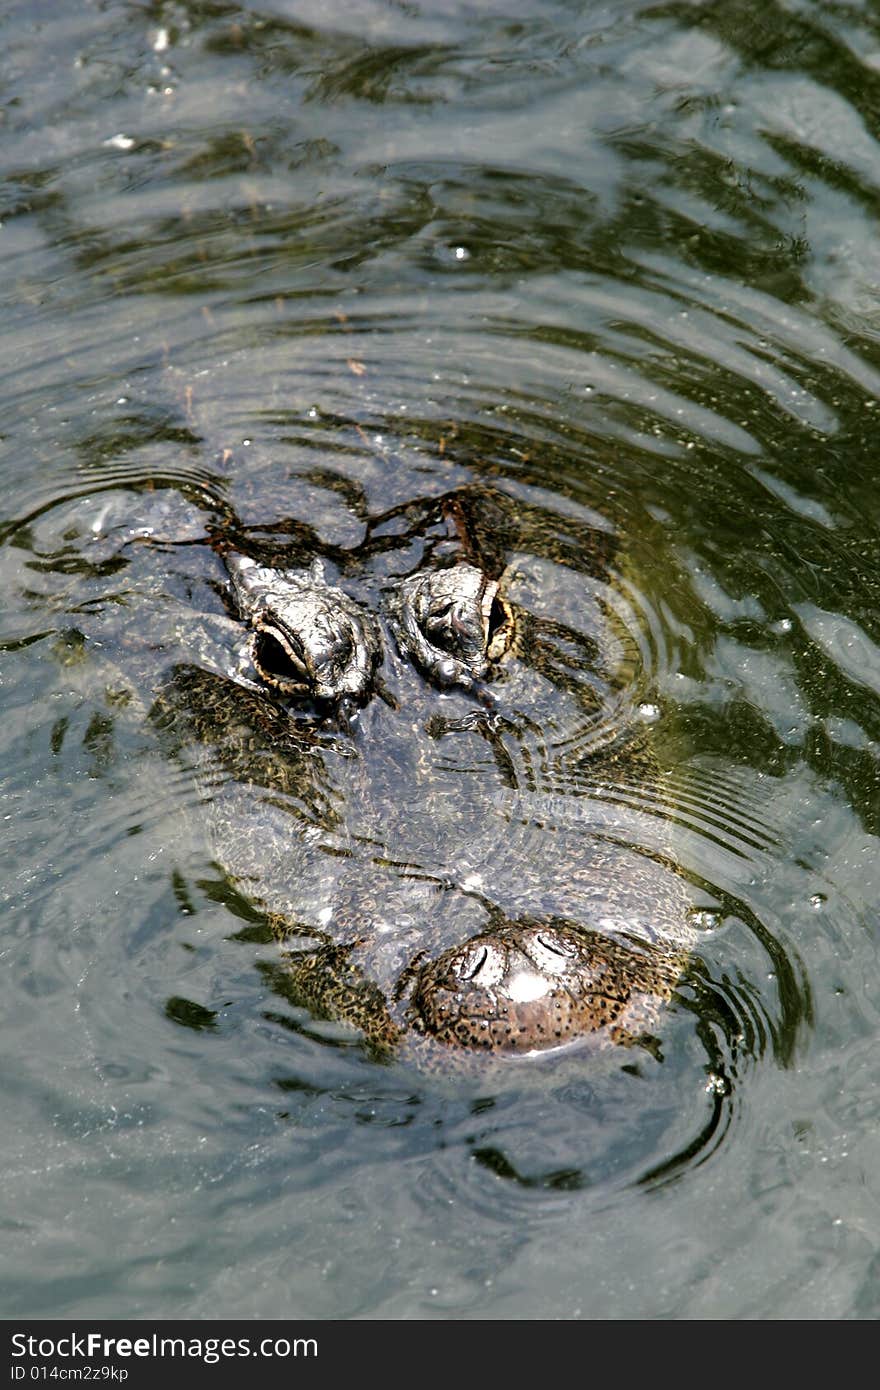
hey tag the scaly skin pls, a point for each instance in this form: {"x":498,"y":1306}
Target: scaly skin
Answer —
{"x":310,"y":640}
{"x":522,"y":983}
{"x":452,"y":623}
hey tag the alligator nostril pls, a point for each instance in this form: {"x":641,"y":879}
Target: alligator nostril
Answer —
{"x":473,"y":963}
{"x":556,"y":944}
{"x":277,"y":657}
{"x":498,"y":618}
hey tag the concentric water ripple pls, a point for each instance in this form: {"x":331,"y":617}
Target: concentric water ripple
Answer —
{"x":589,"y":295}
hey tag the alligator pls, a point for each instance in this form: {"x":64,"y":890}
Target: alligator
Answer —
{"x":428,"y":791}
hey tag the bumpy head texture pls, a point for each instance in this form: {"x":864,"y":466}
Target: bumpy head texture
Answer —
{"x":527,"y":986}
{"x":520,"y":986}
{"x":451,"y":623}
{"x":310,"y":639}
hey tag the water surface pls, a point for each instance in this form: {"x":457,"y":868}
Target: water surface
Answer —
{"x":304,"y":270}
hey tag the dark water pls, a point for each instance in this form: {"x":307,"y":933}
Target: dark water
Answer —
{"x":305,"y":267}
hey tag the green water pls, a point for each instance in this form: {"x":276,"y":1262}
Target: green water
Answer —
{"x":305,"y":269}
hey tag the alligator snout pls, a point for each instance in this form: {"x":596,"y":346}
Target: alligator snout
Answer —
{"x":524,"y":987}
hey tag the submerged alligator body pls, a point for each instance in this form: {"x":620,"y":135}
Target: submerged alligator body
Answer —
{"x":430,"y":800}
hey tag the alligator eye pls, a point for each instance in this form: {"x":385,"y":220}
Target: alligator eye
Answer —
{"x":340,"y":646}
{"x":453,"y":625}
{"x":499,"y":630}
{"x":497,"y":618}
{"x":439,"y":625}
{"x":279,"y":657}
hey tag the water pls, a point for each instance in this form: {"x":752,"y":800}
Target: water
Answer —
{"x":310,"y":264}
